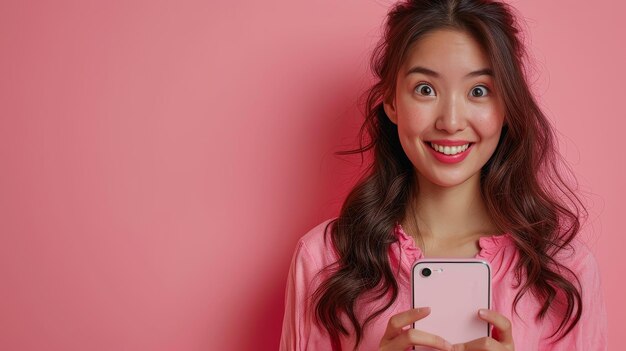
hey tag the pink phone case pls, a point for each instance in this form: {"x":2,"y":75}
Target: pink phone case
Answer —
{"x":455,"y":290}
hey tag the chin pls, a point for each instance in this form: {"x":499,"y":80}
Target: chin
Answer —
{"x":447,"y":182}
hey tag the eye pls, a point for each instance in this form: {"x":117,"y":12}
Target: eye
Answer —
{"x":424,"y":89}
{"x":479,"y":91}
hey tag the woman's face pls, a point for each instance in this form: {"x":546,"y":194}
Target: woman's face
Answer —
{"x":446,"y":99}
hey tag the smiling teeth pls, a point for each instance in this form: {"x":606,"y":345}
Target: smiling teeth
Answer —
{"x":449,"y":150}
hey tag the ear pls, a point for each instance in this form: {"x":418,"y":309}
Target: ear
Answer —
{"x":390,"y":109}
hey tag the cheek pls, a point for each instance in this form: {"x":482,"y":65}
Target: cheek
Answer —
{"x":413,"y":120}
{"x":412,"y":126}
{"x":490,"y":124}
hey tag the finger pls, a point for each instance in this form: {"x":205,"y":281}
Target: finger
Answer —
{"x":415,"y":337}
{"x":401,"y":320}
{"x":482,"y":344}
{"x":500,"y":323}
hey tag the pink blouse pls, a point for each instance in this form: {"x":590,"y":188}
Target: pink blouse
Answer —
{"x":312,"y":253}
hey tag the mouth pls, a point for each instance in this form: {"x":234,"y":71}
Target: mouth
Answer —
{"x":449,"y":150}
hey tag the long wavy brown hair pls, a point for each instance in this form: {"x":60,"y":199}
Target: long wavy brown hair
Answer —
{"x":523,"y":184}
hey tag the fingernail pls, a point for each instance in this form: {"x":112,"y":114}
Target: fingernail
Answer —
{"x":482,"y":312}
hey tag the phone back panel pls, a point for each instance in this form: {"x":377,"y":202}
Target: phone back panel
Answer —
{"x":455,"y":290}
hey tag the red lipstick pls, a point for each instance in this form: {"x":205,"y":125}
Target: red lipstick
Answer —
{"x":449,"y":159}
{"x":447,"y":142}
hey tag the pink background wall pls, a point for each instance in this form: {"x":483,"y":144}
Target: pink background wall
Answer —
{"x":159,"y":159}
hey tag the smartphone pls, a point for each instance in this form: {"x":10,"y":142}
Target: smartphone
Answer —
{"x":454,"y":289}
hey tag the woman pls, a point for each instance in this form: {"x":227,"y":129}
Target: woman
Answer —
{"x":464,"y":166}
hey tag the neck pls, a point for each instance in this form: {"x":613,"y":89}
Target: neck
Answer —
{"x":456,"y":212}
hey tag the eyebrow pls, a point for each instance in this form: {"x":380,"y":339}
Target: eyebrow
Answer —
{"x":430,"y":72}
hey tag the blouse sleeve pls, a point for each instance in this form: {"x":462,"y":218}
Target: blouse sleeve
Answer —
{"x":590,"y":333}
{"x":299,"y":333}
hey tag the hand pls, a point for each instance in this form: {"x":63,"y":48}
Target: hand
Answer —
{"x":503,"y":336}
{"x":397,"y":339}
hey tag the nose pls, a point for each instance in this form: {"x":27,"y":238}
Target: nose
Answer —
{"x":451,"y":116}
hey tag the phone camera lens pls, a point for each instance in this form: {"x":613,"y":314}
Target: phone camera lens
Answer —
{"x":426,"y":272}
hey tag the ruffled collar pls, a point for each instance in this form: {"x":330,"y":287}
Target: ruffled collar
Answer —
{"x":489,"y":245}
